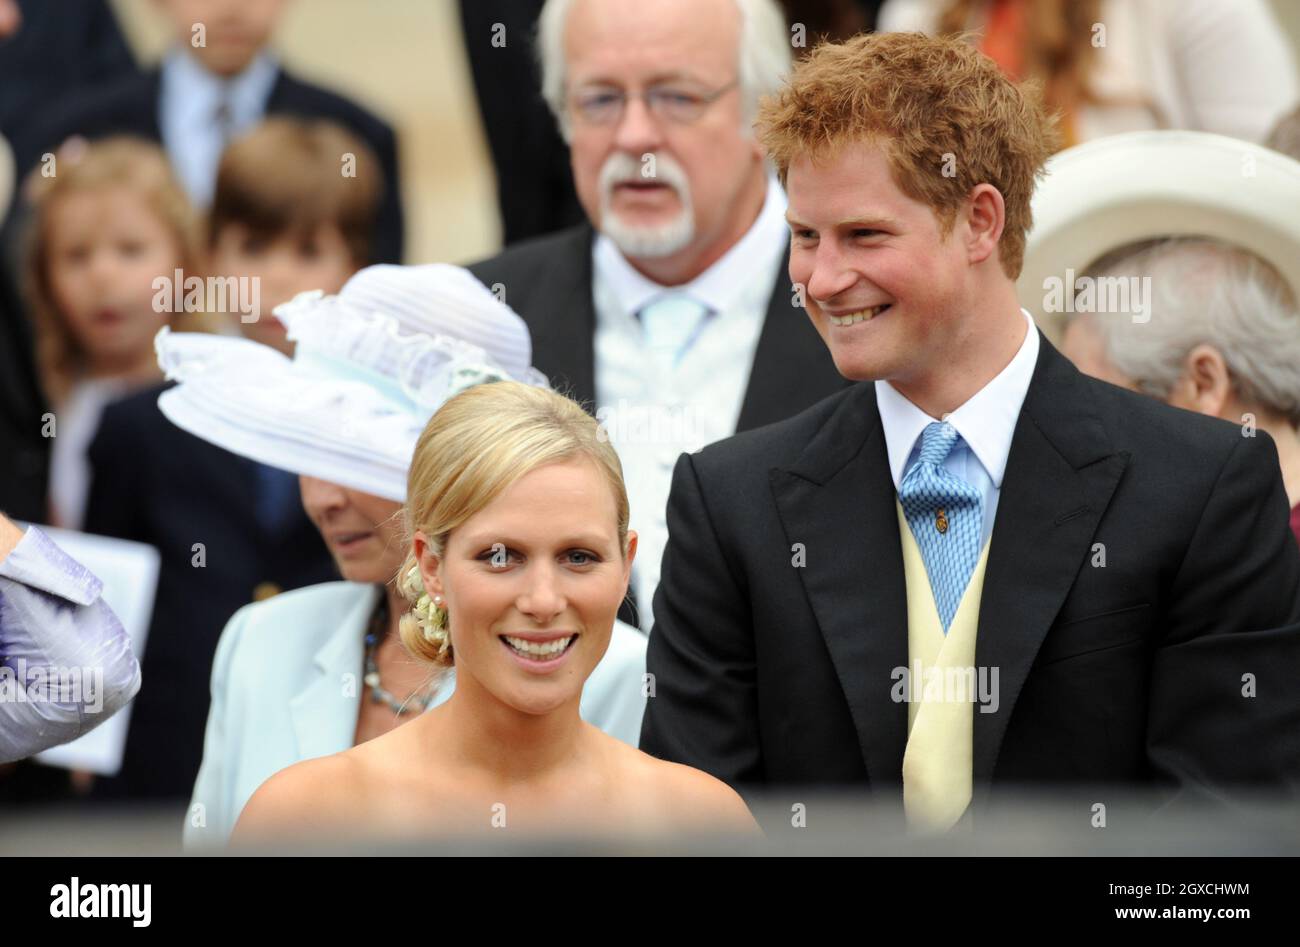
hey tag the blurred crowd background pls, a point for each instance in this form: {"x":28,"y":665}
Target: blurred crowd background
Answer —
{"x":411,"y":66}
{"x":463,"y":158}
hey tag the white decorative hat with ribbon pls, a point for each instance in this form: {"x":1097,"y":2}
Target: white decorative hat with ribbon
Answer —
{"x":371,"y":366}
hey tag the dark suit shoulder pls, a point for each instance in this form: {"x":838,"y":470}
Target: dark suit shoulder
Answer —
{"x":535,"y":255}
{"x":127,"y":106}
{"x":134,"y":428}
{"x":1142,"y":425}
{"x":136,"y":410}
{"x":296,"y":96}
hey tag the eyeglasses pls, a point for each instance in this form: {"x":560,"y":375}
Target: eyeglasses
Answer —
{"x":601,"y":106}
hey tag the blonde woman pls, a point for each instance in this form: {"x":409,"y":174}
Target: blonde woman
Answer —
{"x":319,"y":669}
{"x":520,"y":556}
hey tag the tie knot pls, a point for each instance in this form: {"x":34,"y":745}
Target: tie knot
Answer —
{"x":672,"y":306}
{"x":937,"y":441}
{"x":671,"y":321}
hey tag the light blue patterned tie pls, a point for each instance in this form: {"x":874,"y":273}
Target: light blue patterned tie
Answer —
{"x":946,"y":515}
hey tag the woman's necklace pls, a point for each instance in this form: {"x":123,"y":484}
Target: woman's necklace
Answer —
{"x":416,"y":703}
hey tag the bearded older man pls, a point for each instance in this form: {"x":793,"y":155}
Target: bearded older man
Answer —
{"x":667,"y":313}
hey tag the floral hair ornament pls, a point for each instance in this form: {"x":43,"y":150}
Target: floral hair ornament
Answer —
{"x":429,"y":612}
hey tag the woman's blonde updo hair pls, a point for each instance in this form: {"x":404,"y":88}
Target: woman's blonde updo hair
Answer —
{"x":474,"y":447}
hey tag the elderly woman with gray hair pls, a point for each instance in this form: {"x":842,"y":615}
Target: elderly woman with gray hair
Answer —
{"x":1223,"y":339}
{"x":1206,"y":323}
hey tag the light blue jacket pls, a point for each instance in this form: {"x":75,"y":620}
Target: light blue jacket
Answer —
{"x":286,"y":687}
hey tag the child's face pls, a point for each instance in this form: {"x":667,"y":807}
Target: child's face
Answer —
{"x":104,"y":251}
{"x":234,"y":31}
{"x":285,"y":266}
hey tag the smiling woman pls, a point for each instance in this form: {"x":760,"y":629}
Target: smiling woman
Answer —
{"x":320,"y":669}
{"x":520,"y":556}
{"x":545,"y":456}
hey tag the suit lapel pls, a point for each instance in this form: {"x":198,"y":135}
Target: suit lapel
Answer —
{"x":838,"y":500}
{"x":564,"y":331}
{"x":285,"y":93}
{"x":153,"y":83}
{"x":1061,"y":473}
{"x":324,"y":715}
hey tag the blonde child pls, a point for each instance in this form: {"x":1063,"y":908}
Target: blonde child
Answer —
{"x":108,"y":221}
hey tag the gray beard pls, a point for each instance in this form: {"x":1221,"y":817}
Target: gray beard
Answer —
{"x":650,"y":242}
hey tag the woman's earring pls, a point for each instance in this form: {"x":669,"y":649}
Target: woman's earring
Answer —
{"x":437,"y":600}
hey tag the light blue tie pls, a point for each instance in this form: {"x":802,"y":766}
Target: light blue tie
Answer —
{"x":946,"y":515}
{"x":669,"y":325}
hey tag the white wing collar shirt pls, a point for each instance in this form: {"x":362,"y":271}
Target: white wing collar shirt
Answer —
{"x":673,"y":363}
{"x":198,"y":114}
{"x":986,"y":422}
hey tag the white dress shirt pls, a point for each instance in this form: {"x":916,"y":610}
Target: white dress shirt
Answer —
{"x":189,"y":98}
{"x":78,"y":423}
{"x":986,"y":422}
{"x":652,"y":416}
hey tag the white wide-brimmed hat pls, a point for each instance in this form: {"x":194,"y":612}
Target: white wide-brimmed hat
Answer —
{"x":1120,"y":189}
{"x":371,"y":366}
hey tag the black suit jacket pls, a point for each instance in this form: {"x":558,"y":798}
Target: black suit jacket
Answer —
{"x":24,"y":453}
{"x":61,"y":49}
{"x":548,"y":282}
{"x":534,"y":181}
{"x":773,"y":675}
{"x":130,"y":107}
{"x":158,"y":484}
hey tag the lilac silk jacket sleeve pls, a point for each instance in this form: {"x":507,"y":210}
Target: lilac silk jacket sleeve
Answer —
{"x":65,"y":661}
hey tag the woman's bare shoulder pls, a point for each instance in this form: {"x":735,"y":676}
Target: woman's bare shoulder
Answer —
{"x":306,"y":796}
{"x":690,"y":796}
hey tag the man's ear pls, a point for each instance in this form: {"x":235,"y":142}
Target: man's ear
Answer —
{"x":986,"y":216}
{"x":429,"y":563}
{"x":1205,"y":383}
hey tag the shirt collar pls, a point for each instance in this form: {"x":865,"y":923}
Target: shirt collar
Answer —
{"x":187,"y":83}
{"x":721,"y":284}
{"x":986,"y":421}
